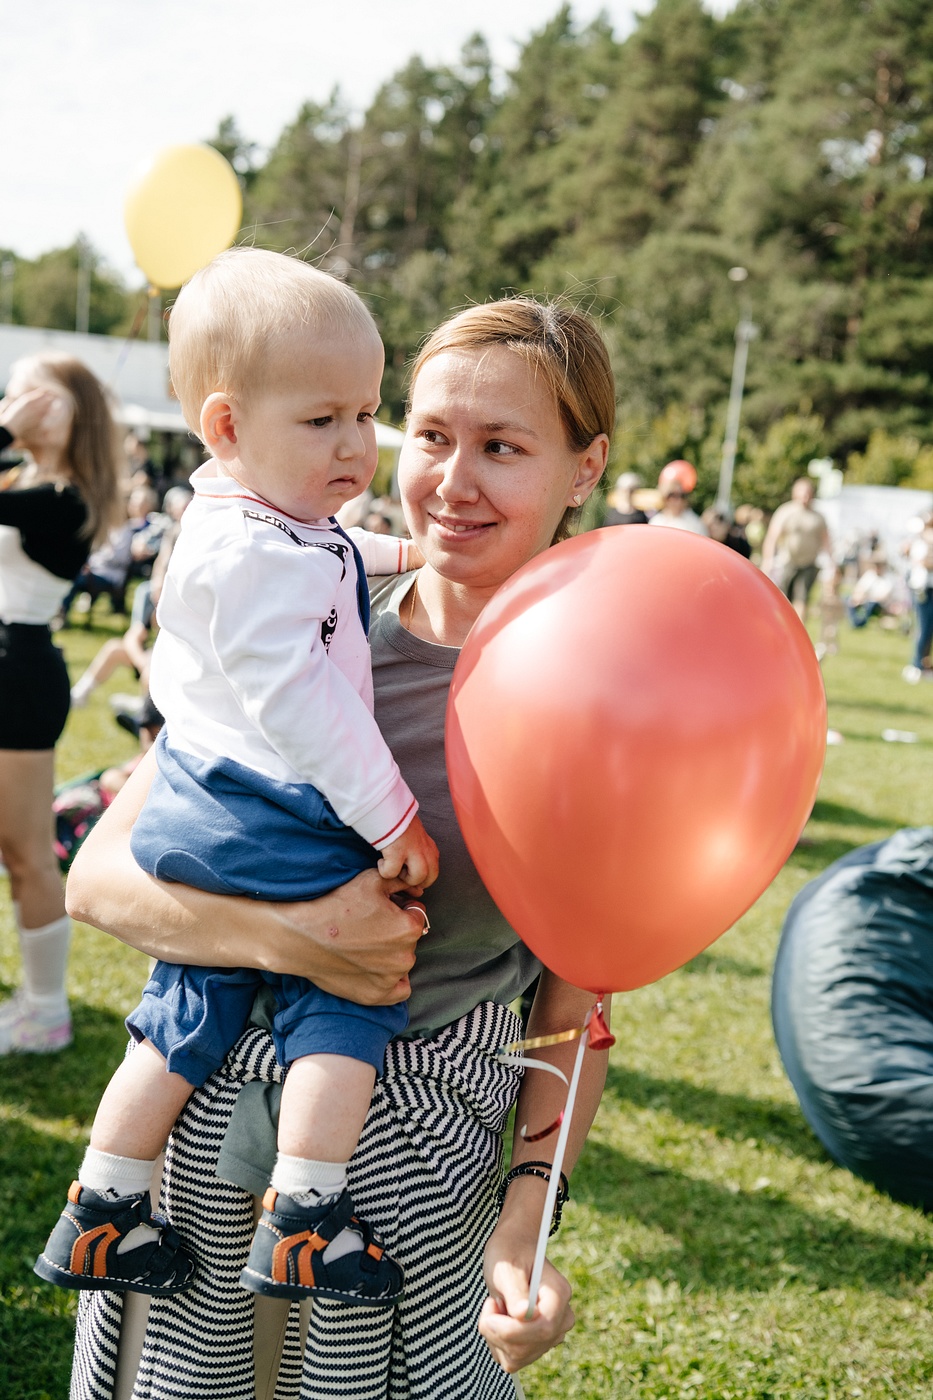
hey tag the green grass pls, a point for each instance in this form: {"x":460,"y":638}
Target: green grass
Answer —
{"x":714,"y":1250}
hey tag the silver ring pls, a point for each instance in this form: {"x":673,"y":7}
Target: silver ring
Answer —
{"x":424,"y":915}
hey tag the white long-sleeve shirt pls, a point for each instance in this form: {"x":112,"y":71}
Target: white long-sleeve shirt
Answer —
{"x":261,"y":656}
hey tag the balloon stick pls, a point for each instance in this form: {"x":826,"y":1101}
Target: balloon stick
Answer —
{"x":551,"y":1197}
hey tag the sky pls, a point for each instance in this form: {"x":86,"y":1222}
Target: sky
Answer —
{"x":91,"y":89}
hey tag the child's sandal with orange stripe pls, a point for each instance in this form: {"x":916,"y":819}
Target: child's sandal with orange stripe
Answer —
{"x":83,"y":1249}
{"x":287,"y":1256}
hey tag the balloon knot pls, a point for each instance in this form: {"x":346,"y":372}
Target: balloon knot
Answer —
{"x":601,"y":1037}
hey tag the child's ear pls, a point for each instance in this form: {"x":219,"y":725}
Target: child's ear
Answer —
{"x":218,"y":425}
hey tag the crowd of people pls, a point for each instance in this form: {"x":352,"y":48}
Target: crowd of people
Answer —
{"x":853,"y":577}
{"x":290,"y":732}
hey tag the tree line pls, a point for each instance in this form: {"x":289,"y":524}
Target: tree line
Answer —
{"x":793,"y":138}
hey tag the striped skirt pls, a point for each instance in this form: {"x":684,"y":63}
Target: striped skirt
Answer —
{"x":425,"y":1173}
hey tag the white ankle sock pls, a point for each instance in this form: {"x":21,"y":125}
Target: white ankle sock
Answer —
{"x":300,"y":1177}
{"x":45,"y":961}
{"x":113,"y":1176}
{"x":311,"y":1183}
{"x":81,"y":689}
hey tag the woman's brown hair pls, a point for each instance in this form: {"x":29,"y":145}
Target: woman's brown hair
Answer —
{"x":560,"y":343}
{"x":93,"y":452}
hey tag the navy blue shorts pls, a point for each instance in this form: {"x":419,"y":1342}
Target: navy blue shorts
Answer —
{"x":195,"y":1015}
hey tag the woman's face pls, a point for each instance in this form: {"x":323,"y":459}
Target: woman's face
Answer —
{"x":485,"y":471}
{"x":49,"y":423}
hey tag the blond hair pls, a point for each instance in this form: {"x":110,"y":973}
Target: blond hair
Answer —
{"x":561,"y":344}
{"x":93,"y":452}
{"x":231,"y":319}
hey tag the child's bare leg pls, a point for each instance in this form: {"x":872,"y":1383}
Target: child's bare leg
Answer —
{"x":325,"y":1100}
{"x":133,"y":1121}
{"x":130,"y":1127}
{"x":309,"y":1240}
{"x":107,"y":1235}
{"x":139,"y":1105}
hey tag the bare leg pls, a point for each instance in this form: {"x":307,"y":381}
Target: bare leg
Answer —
{"x":26,"y":786}
{"x":325,"y":1100}
{"x":110,"y":658}
{"x":139,"y":1106}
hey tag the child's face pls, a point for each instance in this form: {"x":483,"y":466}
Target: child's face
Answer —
{"x":306,"y":442}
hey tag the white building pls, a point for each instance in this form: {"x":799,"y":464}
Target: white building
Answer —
{"x":135,"y":372}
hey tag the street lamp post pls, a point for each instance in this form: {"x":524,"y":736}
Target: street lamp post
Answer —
{"x":745,"y":332}
{"x":83,"y":294}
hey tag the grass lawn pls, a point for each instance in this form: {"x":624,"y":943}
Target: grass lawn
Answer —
{"x":714,"y":1250}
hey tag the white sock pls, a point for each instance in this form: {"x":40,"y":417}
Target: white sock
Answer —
{"x":81,"y":689}
{"x":45,"y":962}
{"x":113,"y":1176}
{"x":312,"y":1183}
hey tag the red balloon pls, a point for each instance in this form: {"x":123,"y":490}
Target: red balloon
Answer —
{"x":635,"y":737}
{"x":679,"y":473}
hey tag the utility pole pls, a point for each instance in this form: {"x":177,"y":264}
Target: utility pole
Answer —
{"x":154,"y":317}
{"x":745,"y":332}
{"x":83,"y":298}
{"x":7,"y":274}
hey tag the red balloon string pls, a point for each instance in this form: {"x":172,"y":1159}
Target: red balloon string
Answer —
{"x":545,"y":1132}
{"x":600,"y":1038}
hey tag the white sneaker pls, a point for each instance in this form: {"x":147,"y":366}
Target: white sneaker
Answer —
{"x":126,"y":704}
{"x":24,"y":1031}
{"x":912,"y":674}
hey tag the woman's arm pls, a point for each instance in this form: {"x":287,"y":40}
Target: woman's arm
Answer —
{"x":514,"y":1341}
{"x":355,"y":942}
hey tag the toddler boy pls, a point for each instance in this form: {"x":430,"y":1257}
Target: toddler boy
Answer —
{"x":273,"y":780}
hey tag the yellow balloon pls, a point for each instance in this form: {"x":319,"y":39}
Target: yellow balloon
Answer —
{"x":182,"y":209}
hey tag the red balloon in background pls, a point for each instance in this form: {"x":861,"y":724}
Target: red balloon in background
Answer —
{"x":679,"y":473}
{"x":635,"y":737}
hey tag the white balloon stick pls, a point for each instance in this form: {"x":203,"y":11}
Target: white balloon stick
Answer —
{"x":554,"y":1182}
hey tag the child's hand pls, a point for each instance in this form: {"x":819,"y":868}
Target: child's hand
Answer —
{"x":415,"y":557}
{"x":411,"y":857}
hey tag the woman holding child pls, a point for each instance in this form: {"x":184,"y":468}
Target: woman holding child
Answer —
{"x":511,"y":414}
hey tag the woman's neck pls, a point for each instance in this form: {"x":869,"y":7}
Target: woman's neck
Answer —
{"x":46,"y":464}
{"x":440,"y":611}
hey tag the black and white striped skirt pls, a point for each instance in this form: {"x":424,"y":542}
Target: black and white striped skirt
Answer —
{"x":425,"y":1173}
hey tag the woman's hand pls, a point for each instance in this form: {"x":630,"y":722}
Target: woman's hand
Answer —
{"x":514,"y":1340}
{"x":354,"y":942}
{"x":361,"y":941}
{"x":26,"y":412}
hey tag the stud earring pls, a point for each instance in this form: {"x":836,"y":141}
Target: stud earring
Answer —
{"x":576,"y":500}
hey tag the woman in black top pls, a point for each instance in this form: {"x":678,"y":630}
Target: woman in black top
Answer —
{"x":51,"y":510}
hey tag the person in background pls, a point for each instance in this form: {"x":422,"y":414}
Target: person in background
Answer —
{"x":52,"y":508}
{"x":874,"y":591}
{"x":831,"y":609}
{"x":377,"y":523}
{"x":132,"y":648}
{"x":919,"y":553}
{"x":753,"y":521}
{"x":142,"y":469}
{"x":622,"y":509}
{"x":676,"y":512}
{"x":721,"y":527}
{"x":108,"y":566}
{"x":796,"y":538}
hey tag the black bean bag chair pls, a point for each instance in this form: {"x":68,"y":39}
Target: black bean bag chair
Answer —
{"x":852,"y":1006}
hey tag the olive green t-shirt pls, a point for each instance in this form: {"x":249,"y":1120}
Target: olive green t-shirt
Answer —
{"x":471,"y":954}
